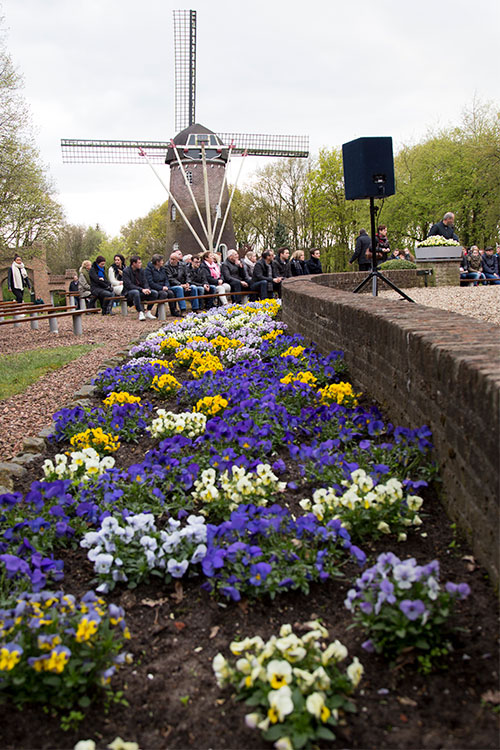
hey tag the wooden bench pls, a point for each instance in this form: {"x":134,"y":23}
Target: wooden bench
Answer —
{"x":34,"y":318}
{"x":32,"y":311}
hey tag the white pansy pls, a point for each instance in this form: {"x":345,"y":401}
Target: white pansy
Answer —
{"x":281,"y":701}
{"x":355,"y":672}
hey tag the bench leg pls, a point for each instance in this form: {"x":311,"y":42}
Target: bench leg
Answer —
{"x":34,"y":322}
{"x":83,"y":305}
{"x":124,"y":307}
{"x":77,"y":325}
{"x":161,"y":311}
{"x":53,"y":325}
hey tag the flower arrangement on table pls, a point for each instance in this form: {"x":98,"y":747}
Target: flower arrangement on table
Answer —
{"x":437,"y":241}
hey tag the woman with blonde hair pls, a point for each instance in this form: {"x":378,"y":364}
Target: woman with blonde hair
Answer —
{"x":84,"y":283}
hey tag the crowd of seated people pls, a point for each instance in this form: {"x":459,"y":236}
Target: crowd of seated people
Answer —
{"x":480,"y":266}
{"x":203,"y":280}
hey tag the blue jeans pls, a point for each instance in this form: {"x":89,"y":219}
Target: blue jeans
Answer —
{"x":495,"y":279}
{"x":472,"y":275}
{"x":191,"y":292}
{"x":179,"y":292}
{"x":261,"y":288}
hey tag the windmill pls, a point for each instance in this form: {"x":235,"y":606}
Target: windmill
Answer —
{"x":199,"y":215}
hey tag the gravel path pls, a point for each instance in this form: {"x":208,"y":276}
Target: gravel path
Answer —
{"x":26,"y":414}
{"x":481,"y":302}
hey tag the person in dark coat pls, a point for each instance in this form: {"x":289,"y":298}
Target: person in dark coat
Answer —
{"x":281,"y":266}
{"x":157,"y":279}
{"x":263,"y":281}
{"x":297,"y":266}
{"x":234,"y":274}
{"x":382,"y":244}
{"x":17,"y":278}
{"x":489,"y":264}
{"x":136,"y":289}
{"x":200,"y":277}
{"x":73,"y":284}
{"x":445,"y":228}
{"x":313,"y":265}
{"x":177,"y":272}
{"x":99,"y":284}
{"x":363,"y":245}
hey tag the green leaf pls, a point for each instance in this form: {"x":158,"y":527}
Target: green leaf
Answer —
{"x":84,"y":701}
{"x":274,"y":733}
{"x":324,"y":733}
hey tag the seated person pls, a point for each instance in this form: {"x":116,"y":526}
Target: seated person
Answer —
{"x":263,"y":281}
{"x":210,"y":265}
{"x":234,"y":274}
{"x":84,"y":284}
{"x":199,"y":276}
{"x":157,"y":279}
{"x":468,"y":271}
{"x":178,"y":277}
{"x":297,"y":265}
{"x":281,"y":267}
{"x":136,"y":289}
{"x":99,"y":284}
{"x":489,"y":265}
{"x":115,"y":274}
{"x":313,"y":265}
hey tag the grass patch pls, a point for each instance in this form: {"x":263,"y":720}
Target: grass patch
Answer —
{"x":19,"y":371}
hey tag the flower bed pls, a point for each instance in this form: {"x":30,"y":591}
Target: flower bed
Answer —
{"x":267,"y":486}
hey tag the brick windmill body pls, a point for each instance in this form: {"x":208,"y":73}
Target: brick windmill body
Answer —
{"x":199,"y":215}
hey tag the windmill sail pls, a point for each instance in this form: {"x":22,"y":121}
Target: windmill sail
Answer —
{"x":185,"y":68}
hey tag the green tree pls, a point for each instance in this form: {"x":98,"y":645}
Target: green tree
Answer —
{"x":148,"y":234}
{"x":28,"y":211}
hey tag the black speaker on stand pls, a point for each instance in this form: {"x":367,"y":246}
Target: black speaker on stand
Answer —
{"x":369,"y":173}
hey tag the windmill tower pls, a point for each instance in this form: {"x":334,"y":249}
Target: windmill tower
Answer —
{"x":199,"y":216}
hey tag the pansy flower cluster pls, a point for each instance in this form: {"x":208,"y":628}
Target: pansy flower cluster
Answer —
{"x":402,"y":606}
{"x":169,"y":423}
{"x":131,"y":549}
{"x":77,"y":465}
{"x":52,"y":633}
{"x":296,"y":685}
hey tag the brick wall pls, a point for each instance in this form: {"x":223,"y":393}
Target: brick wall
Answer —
{"x":423,"y":366}
{"x":404,"y":278}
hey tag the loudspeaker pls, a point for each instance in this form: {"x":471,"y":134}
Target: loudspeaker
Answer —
{"x":368,"y":168}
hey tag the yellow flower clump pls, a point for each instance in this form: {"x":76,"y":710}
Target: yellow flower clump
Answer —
{"x":195,"y":339}
{"x":204,"y":362}
{"x":184,"y":356}
{"x":169,"y":344}
{"x":165,"y":384}
{"x":293,"y":351}
{"x":299,"y":377}
{"x":211,"y":405}
{"x":121,"y":398}
{"x":338,"y":393}
{"x":96,"y":438}
{"x":273,"y":335}
{"x":223,"y":343}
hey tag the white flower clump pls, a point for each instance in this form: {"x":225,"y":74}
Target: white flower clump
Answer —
{"x":167,"y":424}
{"x":81,"y":465}
{"x":128,"y":549}
{"x":285,"y":664}
{"x":237,"y":486}
{"x":361,"y":493}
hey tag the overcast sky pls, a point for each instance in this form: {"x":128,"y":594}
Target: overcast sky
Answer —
{"x":328,"y":69}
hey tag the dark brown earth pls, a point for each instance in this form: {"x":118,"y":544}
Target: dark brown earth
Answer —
{"x":174,"y":702}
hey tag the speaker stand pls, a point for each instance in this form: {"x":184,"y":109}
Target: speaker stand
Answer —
{"x":374,"y":274}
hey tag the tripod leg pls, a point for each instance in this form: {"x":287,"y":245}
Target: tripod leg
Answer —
{"x":393,"y":286}
{"x":365,"y":281}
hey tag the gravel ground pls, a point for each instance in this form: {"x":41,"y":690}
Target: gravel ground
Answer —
{"x":26,"y":414}
{"x":481,"y":302}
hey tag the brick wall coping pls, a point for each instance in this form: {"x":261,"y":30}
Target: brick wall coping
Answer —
{"x":423,"y":366}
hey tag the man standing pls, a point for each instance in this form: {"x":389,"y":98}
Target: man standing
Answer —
{"x":383,"y":249}
{"x":313,"y":265}
{"x":136,"y":289}
{"x":363,"y":245}
{"x":445,"y":227}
